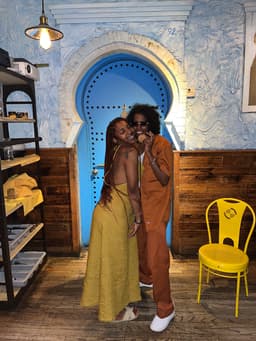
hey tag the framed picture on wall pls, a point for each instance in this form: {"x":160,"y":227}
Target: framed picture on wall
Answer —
{"x":249,"y":85}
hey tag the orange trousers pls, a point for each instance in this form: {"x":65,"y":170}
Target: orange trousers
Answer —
{"x":154,"y":262}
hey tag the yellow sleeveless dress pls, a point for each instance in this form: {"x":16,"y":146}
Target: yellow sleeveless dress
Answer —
{"x":112,"y":275}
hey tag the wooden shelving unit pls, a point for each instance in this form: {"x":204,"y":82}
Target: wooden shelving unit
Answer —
{"x":18,"y":267}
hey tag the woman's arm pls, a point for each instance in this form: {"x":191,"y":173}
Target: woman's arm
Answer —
{"x":131,"y":170}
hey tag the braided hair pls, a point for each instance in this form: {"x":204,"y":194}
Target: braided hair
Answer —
{"x":110,"y":153}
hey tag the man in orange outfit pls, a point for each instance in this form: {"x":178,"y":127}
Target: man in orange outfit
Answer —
{"x":156,"y":168}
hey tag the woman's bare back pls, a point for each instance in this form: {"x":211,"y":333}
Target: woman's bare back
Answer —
{"x":125,"y":165}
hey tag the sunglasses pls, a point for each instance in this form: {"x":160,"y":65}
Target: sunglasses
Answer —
{"x":142,"y":124}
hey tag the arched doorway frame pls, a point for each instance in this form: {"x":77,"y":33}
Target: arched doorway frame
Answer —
{"x":115,"y":42}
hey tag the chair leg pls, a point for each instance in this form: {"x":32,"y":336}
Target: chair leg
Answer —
{"x":246,"y":284}
{"x":208,"y":276}
{"x":237,"y":293}
{"x":199,"y":282}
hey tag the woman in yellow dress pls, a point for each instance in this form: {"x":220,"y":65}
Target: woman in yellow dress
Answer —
{"x":112,"y":280}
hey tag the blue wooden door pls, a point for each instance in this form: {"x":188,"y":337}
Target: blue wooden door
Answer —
{"x":111,"y":83}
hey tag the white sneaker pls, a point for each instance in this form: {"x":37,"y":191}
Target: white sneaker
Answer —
{"x":160,"y":324}
{"x":144,"y":285}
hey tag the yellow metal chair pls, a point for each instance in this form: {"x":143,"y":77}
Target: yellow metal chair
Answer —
{"x":221,"y":259}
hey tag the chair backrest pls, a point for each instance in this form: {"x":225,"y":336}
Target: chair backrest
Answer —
{"x":231,"y":212}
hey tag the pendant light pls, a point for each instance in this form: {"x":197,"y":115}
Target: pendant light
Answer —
{"x":43,"y":32}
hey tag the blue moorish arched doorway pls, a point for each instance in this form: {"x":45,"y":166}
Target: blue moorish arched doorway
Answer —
{"x":114,"y":81}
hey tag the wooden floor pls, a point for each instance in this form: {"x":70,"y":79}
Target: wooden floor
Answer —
{"x":51,"y":311}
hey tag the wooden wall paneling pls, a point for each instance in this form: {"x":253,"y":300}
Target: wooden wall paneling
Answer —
{"x":200,"y":177}
{"x":58,"y":166}
{"x":175,"y":245}
{"x":74,"y":198}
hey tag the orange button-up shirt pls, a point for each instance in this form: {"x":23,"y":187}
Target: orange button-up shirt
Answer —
{"x":156,"y":199}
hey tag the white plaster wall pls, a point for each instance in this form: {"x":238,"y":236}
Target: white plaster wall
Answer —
{"x":214,"y":58}
{"x":116,"y":42}
{"x":209,"y":50}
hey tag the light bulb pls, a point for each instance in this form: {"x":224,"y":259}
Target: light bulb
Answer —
{"x":45,"y":41}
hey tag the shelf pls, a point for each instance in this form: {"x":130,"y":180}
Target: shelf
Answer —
{"x":3,"y":294}
{"x":9,"y":77}
{"x":19,"y":269}
{"x":12,"y":208}
{"x":12,"y":142}
{"x":24,"y":242}
{"x":24,"y":268}
{"x":20,"y":161}
{"x":17,"y":233}
{"x":28,"y":203}
{"x":16,"y":120}
{"x":18,"y":102}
